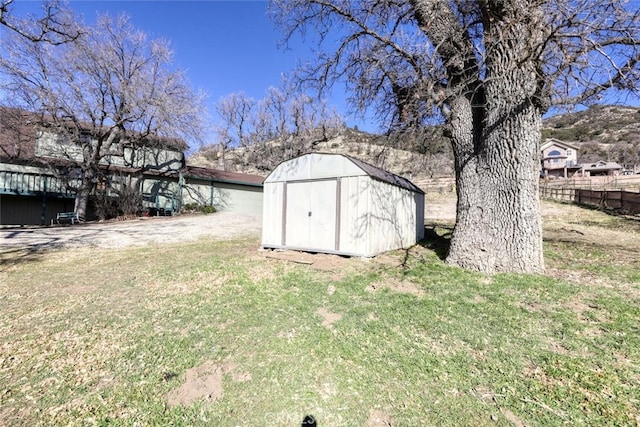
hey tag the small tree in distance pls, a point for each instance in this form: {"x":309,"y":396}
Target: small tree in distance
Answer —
{"x":282,"y":125}
{"x":488,"y":70}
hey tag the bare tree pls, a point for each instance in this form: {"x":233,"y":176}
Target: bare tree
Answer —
{"x":236,"y":113}
{"x":282,"y":125}
{"x":626,"y":153}
{"x":108,"y":90}
{"x":55,"y":26}
{"x":488,"y":70}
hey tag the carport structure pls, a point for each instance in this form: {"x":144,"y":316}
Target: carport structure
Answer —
{"x":334,"y":203}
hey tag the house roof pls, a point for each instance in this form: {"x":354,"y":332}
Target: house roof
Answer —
{"x":223,"y":176}
{"x":602,"y":165}
{"x":553,"y":141}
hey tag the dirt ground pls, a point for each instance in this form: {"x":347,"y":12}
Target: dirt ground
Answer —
{"x":140,"y":231}
{"x":440,"y":210}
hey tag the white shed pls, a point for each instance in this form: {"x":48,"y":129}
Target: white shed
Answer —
{"x":334,"y":203}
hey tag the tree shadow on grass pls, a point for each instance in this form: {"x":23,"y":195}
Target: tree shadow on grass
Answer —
{"x":437,"y":238}
{"x":14,"y":256}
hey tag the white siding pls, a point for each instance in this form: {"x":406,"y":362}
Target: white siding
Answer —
{"x":393,"y":218}
{"x":158,"y":158}
{"x":160,"y":193}
{"x":49,"y":144}
{"x":272,"y":215}
{"x":200,"y":193}
{"x":365,"y":213}
{"x":355,"y":220}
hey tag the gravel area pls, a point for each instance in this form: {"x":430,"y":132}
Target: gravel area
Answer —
{"x":141,"y":231}
{"x":220,"y":226}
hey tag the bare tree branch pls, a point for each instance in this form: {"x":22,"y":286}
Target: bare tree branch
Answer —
{"x":56,"y":26}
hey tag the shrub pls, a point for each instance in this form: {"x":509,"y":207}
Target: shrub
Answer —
{"x":195,"y":207}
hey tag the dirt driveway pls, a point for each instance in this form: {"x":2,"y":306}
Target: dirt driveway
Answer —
{"x":220,"y":226}
{"x":114,"y":234}
{"x":142,"y":231}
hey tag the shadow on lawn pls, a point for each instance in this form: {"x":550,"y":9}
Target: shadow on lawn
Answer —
{"x":15,"y":256}
{"x":21,"y":245}
{"x":438,"y":243}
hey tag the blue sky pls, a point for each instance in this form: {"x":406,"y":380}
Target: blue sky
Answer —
{"x":225,"y":46}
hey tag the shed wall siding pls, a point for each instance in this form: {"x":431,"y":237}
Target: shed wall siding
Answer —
{"x":272,"y":214}
{"x":354,"y":215}
{"x":393,"y":218}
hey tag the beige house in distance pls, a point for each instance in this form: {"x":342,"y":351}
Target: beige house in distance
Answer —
{"x":559,"y":159}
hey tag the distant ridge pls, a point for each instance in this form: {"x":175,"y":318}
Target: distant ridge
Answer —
{"x":595,"y":130}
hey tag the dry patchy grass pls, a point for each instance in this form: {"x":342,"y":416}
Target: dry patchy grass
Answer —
{"x":221,"y":333}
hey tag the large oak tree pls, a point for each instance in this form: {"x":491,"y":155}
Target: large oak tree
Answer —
{"x":109,"y":88}
{"x":489,"y":70}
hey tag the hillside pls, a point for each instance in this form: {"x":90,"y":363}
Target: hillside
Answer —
{"x":607,"y":124}
{"x":602,"y":132}
{"x":429,"y":157}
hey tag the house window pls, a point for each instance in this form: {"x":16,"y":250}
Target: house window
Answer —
{"x":554,"y":153}
{"x":568,"y":152}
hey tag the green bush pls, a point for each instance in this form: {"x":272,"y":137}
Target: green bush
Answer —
{"x":194,"y":207}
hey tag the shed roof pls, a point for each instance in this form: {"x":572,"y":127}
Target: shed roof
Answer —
{"x":385,"y":176}
{"x":357,"y":167}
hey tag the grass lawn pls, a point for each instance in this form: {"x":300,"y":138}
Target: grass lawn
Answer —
{"x":222,"y":334}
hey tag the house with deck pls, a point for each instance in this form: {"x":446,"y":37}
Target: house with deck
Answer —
{"x":39,"y":175}
{"x":559,"y":159}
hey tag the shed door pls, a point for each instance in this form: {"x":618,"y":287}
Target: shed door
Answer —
{"x":311,"y":215}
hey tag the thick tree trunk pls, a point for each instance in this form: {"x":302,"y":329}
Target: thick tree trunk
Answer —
{"x":496,"y":145}
{"x":498,"y":226}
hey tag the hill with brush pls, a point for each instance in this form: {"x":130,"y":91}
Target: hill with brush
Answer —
{"x":602,"y":132}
